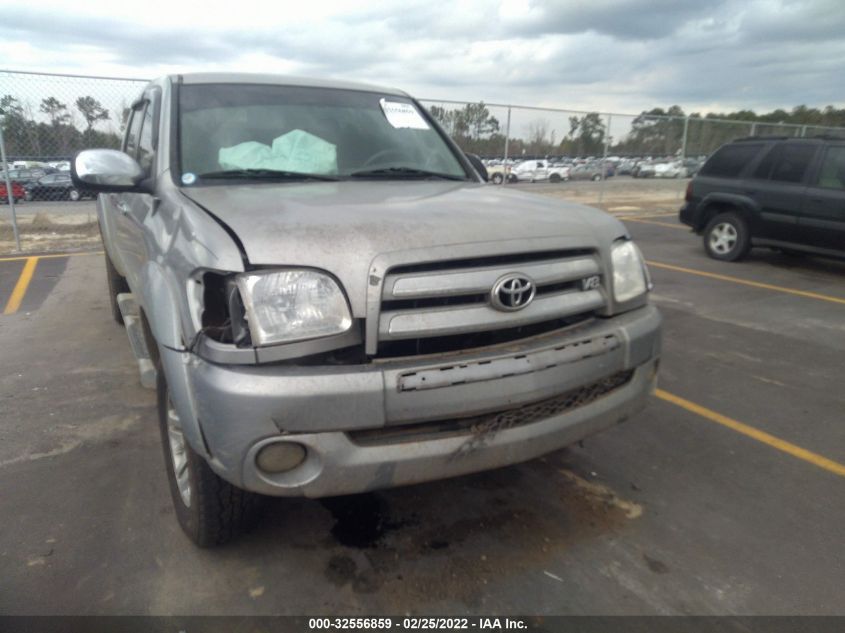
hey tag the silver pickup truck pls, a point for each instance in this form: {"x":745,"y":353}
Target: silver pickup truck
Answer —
{"x":329,"y":299}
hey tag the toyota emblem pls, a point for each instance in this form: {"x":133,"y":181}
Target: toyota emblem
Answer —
{"x":512,"y":292}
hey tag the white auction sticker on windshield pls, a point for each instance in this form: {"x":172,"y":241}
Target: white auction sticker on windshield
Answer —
{"x":401,"y":115}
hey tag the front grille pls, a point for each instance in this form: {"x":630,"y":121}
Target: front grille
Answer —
{"x":437,"y":307}
{"x":480,"y":426}
{"x":476,"y":340}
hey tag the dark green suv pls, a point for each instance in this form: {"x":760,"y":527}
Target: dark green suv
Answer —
{"x":783,"y":193}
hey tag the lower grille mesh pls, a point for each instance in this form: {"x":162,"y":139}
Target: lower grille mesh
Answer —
{"x":497,"y":421}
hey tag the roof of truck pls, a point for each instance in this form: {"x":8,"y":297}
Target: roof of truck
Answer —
{"x":283,"y":80}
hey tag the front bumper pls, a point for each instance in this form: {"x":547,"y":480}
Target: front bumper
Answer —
{"x":240,"y":409}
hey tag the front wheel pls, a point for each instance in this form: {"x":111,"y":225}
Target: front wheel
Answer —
{"x":596,"y":178}
{"x":726,"y":237}
{"x":210,"y":510}
{"x":554,"y":178}
{"x":27,"y":196}
{"x":497,"y":179}
{"x":73,"y":195}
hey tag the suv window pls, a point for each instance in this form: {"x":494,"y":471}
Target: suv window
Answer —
{"x":730,"y":160}
{"x":786,"y":162}
{"x":832,"y":172}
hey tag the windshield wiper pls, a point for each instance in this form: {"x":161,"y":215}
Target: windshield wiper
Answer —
{"x":268,"y":174}
{"x":402,"y":172}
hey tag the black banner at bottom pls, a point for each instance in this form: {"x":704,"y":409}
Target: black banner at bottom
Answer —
{"x":533,"y":624}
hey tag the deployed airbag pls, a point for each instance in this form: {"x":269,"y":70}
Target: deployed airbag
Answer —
{"x":296,"y":151}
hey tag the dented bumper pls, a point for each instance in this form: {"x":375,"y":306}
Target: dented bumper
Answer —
{"x":394,"y":423}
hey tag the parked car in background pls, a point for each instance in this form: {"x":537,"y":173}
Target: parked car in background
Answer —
{"x":589,"y":171}
{"x":787,"y":194}
{"x":56,"y":186}
{"x":644,"y":169}
{"x":669,"y":169}
{"x":692,"y":166}
{"x":498,"y":172}
{"x":18,"y":192}
{"x":24,"y":176}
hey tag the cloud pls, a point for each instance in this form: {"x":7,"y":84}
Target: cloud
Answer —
{"x":616,"y":55}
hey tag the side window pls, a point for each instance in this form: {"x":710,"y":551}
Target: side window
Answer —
{"x":765,"y":167}
{"x":832,"y":172}
{"x":145,"y":142}
{"x":792,"y":162}
{"x":730,"y":160}
{"x":133,"y":131}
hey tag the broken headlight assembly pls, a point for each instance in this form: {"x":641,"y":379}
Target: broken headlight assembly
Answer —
{"x":270,"y":307}
{"x":630,"y":275}
{"x":284,"y":306}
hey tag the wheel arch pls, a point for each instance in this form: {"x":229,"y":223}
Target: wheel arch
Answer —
{"x":713,"y":205}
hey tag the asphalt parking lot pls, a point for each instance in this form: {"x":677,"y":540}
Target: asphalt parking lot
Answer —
{"x":724,"y":497}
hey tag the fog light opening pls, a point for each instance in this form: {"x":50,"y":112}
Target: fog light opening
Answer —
{"x":280,"y":457}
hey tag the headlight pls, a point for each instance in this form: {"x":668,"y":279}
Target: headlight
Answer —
{"x":630,"y":277}
{"x":283,"y":306}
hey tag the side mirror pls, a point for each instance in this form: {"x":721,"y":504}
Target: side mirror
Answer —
{"x":105,"y":170}
{"x":475,"y":161}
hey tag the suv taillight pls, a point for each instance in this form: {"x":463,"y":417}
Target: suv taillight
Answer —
{"x":688,"y":195}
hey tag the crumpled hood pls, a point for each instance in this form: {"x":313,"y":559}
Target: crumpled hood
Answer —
{"x":342,"y":227}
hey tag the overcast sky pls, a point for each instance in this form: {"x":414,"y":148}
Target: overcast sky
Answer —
{"x":610,"y":55}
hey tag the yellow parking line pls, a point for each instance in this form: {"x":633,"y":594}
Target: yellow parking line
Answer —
{"x":20,"y":288}
{"x":52,"y":256}
{"x":656,"y":223}
{"x":761,"y":436}
{"x":746,"y":282}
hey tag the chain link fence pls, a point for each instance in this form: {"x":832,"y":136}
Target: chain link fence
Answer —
{"x":47,"y":118}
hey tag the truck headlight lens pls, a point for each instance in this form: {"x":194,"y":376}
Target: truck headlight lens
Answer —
{"x":630,"y":278}
{"x":283,"y":306}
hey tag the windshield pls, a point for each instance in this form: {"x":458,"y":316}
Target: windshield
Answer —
{"x":261,"y":131}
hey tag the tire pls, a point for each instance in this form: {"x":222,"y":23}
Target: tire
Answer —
{"x":497,"y":179}
{"x":27,"y":196}
{"x":596,"y":178}
{"x":726,"y":237}
{"x":73,"y":195}
{"x":117,"y":285}
{"x":554,"y":178}
{"x":210,"y":510}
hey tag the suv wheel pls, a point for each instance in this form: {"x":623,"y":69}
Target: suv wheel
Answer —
{"x":210,"y":510}
{"x":497,"y":178}
{"x":726,"y":237}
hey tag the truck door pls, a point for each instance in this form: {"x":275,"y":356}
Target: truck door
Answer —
{"x":133,"y":209}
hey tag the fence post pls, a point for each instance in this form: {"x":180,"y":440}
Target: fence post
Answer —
{"x":9,"y":192}
{"x":507,"y":141}
{"x":684,"y":147}
{"x":604,"y":158}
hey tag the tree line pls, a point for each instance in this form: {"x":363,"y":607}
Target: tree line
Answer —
{"x":655,"y":132}
{"x":57,"y":137}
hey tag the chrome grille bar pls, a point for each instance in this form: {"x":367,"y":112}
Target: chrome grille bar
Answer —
{"x":450,"y":283}
{"x":402,"y":324}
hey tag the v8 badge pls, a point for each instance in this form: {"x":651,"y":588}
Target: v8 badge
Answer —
{"x":590,"y":283}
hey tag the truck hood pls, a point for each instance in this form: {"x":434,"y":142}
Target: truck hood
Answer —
{"x":343,"y":227}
